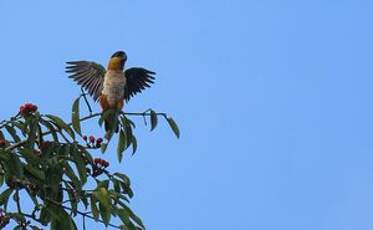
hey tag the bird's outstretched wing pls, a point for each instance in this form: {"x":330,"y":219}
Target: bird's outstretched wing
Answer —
{"x":137,"y":80}
{"x":89,"y":75}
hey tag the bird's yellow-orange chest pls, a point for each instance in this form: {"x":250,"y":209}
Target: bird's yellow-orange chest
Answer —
{"x":113,"y":88}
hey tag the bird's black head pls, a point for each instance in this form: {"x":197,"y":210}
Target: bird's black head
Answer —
{"x":117,"y":60}
{"x":120,"y":54}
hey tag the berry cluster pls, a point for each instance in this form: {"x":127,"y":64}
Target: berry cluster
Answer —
{"x":92,"y":142}
{"x":2,"y":142}
{"x":28,"y":109}
{"x":99,"y":165}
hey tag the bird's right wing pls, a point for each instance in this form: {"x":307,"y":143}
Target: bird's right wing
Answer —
{"x":138,"y":79}
{"x":89,"y":75}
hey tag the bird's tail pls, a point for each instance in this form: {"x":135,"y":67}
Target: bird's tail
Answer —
{"x":110,"y":123}
{"x":110,"y":115}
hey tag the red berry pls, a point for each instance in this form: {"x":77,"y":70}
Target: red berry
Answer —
{"x":92,"y":139}
{"x":2,"y":142}
{"x":34,"y":108}
{"x":99,"y":140}
{"x":28,"y":106}
{"x":22,"y":109}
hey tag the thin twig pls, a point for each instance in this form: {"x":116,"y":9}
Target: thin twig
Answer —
{"x":17,"y":202}
{"x":86,"y":101}
{"x":84,"y":228}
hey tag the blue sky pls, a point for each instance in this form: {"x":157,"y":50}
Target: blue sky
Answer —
{"x":273,"y":98}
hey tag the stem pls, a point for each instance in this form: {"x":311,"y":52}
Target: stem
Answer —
{"x":83,"y":214}
{"x":86,"y":101}
{"x":17,"y":202}
{"x":84,"y":228}
{"x":146,"y":113}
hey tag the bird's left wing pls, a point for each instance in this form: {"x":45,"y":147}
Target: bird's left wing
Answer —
{"x":137,"y":80}
{"x":89,"y":75}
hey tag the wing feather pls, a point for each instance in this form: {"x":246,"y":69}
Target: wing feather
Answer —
{"x":138,"y":79}
{"x":89,"y":75}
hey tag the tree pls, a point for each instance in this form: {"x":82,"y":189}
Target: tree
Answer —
{"x":47,"y":162}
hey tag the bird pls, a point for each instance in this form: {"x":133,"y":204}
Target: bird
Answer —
{"x":113,"y":86}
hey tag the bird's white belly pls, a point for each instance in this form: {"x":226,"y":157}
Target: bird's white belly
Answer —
{"x":114,"y":86}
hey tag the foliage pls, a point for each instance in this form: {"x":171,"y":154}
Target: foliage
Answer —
{"x":48,"y":162}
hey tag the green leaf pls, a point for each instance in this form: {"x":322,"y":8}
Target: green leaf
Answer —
{"x":4,"y":196}
{"x":104,"y":184}
{"x":21,"y":126}
{"x":18,"y":216}
{"x":124,"y":178}
{"x":50,"y":128}
{"x":64,"y":221}
{"x":12,"y":133}
{"x":32,"y":125}
{"x":122,"y":196}
{"x":134,"y":217}
{"x":80,"y":164}
{"x":103,"y":147}
{"x":35,"y":172}
{"x":61,"y":124}
{"x":153,"y":120}
{"x":105,"y":115}
{"x":105,"y":214}
{"x":15,"y":166}
{"x":103,"y":197}
{"x":44,"y":216}
{"x":129,"y":122}
{"x":74,"y":179}
{"x":75,"y":116}
{"x":1,"y":180}
{"x":116,"y":186}
{"x":125,"y":218}
{"x":94,"y":208}
{"x":85,"y":154}
{"x":129,"y":134}
{"x":173,"y":126}
{"x":4,"y":156}
{"x":122,"y":144}
{"x":126,"y":189}
{"x":30,"y":156}
{"x":134,"y":145}
{"x":73,"y":201}
{"x":85,"y":200}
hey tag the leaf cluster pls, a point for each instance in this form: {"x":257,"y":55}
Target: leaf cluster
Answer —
{"x":43,"y":161}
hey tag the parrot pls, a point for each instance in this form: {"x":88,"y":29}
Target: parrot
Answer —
{"x":113,"y":86}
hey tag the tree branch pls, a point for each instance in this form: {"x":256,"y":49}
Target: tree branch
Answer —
{"x":146,"y":113}
{"x":83,"y":214}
